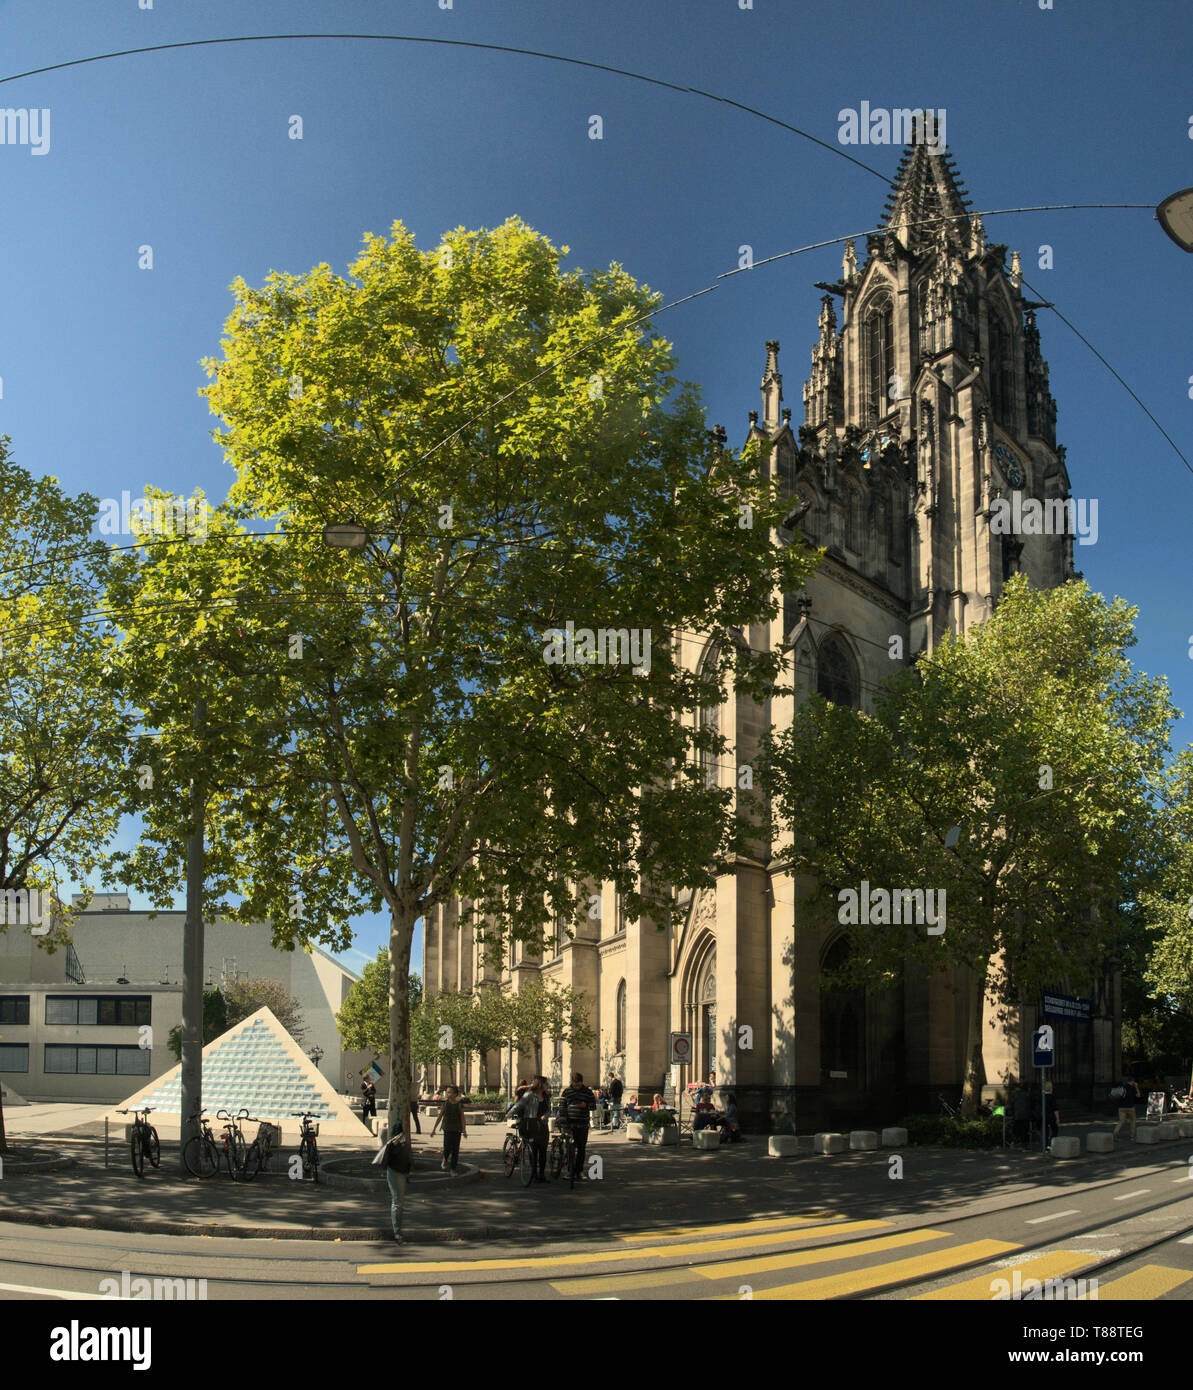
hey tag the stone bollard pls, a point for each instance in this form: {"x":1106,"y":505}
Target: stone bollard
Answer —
{"x":635,"y":1132}
{"x":1185,"y":1128}
{"x":782,"y":1146}
{"x":1068,"y":1146}
{"x":1148,"y":1134}
{"x":829,"y":1144}
{"x":706,"y":1139}
{"x":894,"y":1138}
{"x":861,"y":1140}
{"x":1099,"y":1141}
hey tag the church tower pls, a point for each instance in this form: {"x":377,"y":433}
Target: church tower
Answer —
{"x":928,"y":401}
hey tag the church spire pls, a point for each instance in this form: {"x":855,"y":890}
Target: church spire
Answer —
{"x":928,"y":194}
{"x":772,"y":388}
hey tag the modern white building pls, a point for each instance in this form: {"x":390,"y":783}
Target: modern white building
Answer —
{"x":79,"y":1023}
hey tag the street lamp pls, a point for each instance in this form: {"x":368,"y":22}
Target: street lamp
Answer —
{"x":1176,"y":217}
{"x":345,"y":535}
{"x":316,"y":1054}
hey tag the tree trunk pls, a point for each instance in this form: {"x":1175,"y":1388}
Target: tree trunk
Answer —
{"x":401,"y":935}
{"x":3,"y":1136}
{"x":974,"y":1011}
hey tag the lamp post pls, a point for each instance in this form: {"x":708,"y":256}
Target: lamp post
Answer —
{"x":316,"y":1054}
{"x":1175,"y":215}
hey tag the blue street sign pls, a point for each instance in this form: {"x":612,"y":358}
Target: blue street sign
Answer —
{"x":1042,"y":1046}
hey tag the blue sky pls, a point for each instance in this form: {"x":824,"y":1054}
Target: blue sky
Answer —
{"x":188,"y":151}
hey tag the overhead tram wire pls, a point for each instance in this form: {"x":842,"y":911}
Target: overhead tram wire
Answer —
{"x":636,"y":77}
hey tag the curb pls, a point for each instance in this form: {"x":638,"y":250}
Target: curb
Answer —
{"x":59,"y":1161}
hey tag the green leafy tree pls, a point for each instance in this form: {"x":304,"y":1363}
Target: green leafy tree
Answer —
{"x":62,"y":735}
{"x":215,"y":1022}
{"x":511,"y":439}
{"x":245,"y":997}
{"x":1017,"y":771}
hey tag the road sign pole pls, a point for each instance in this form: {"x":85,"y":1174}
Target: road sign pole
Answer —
{"x":1043,"y":1110}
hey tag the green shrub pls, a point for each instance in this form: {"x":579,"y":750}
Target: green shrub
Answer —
{"x":944,"y":1132}
{"x":651,"y":1120}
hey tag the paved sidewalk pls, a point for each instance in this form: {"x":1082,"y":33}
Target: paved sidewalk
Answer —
{"x":642,"y":1187}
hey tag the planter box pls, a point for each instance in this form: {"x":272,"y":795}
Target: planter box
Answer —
{"x":634,"y":1131}
{"x":668,"y":1134}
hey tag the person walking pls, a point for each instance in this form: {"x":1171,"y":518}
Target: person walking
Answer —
{"x":396,"y":1156}
{"x":615,"y":1090}
{"x":542,"y":1130}
{"x":1126,"y":1093}
{"x":1021,"y":1115}
{"x":451,"y":1116}
{"x":368,"y":1100}
{"x":576,"y":1106}
{"x":418,"y":1129}
{"x":1051,"y":1113}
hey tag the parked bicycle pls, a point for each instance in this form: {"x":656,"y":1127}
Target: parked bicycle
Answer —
{"x":201,"y":1153}
{"x":518,"y":1152}
{"x":257,"y":1154}
{"x":308,"y":1149}
{"x":143,"y":1141}
{"x":234,"y":1146}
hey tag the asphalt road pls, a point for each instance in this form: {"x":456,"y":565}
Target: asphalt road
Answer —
{"x":1128,"y":1224}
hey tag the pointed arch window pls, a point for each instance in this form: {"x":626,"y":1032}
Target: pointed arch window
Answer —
{"x":621,"y":1017}
{"x":878,"y":347}
{"x":709,"y":715}
{"x":836,"y":673}
{"x":1001,"y":367}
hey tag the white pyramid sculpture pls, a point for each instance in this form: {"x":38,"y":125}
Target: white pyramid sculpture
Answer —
{"x":256,"y":1066}
{"x":10,"y":1097}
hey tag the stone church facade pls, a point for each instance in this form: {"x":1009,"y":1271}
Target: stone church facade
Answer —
{"x":928,"y":400}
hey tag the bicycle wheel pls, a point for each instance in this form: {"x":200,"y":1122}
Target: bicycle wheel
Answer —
{"x":201,"y":1157}
{"x":252,"y":1162}
{"x":509,"y":1154}
{"x":153,"y":1148}
{"x":555,"y":1156}
{"x":573,"y":1165}
{"x":526,"y":1174}
{"x":137,"y":1150}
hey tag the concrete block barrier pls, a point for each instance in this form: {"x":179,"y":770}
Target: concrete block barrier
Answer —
{"x":782,"y":1146}
{"x":1185,"y":1128}
{"x":894,"y":1138}
{"x":829,"y":1144}
{"x":1149,"y":1134}
{"x":634,"y":1132}
{"x":860,"y":1140}
{"x":1066,"y":1146}
{"x":1099,"y":1141}
{"x":706,"y":1139}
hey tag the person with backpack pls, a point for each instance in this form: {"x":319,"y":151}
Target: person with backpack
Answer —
{"x":451,"y":1116}
{"x":615,"y":1090}
{"x":1126,"y":1096}
{"x":576,"y":1105}
{"x":396,"y":1156}
{"x":368,"y":1100}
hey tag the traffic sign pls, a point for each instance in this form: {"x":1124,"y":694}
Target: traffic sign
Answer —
{"x":1043,"y":1046}
{"x":681,"y":1047}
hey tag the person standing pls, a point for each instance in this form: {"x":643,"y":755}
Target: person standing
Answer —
{"x":542,"y":1130}
{"x":451,"y":1116}
{"x":368,"y":1100}
{"x":576,"y":1106}
{"x":1127,"y":1097}
{"x":395,"y":1155}
{"x":1051,"y":1113}
{"x":1021,"y":1115}
{"x":615,"y":1090}
{"x":418,"y":1129}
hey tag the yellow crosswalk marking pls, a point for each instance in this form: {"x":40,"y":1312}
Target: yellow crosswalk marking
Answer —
{"x":761,"y":1224}
{"x":895,"y":1272}
{"x":599,"y":1283}
{"x":592,"y":1257}
{"x":1054,"y":1265}
{"x":614,"y":1283}
{"x":1151,"y":1281}
{"x":823,"y":1254}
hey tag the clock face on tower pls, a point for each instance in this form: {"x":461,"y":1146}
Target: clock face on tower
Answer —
{"x":1010,"y":464}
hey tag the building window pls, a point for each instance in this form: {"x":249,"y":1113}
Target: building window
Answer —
{"x":836,"y":677}
{"x":96,"y":1061}
{"x":621,"y":1013}
{"x":14,"y":1057}
{"x":14,"y":1009}
{"x":709,"y":715}
{"x":1001,"y":369}
{"x":104,"y":1011}
{"x":877,"y":345}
